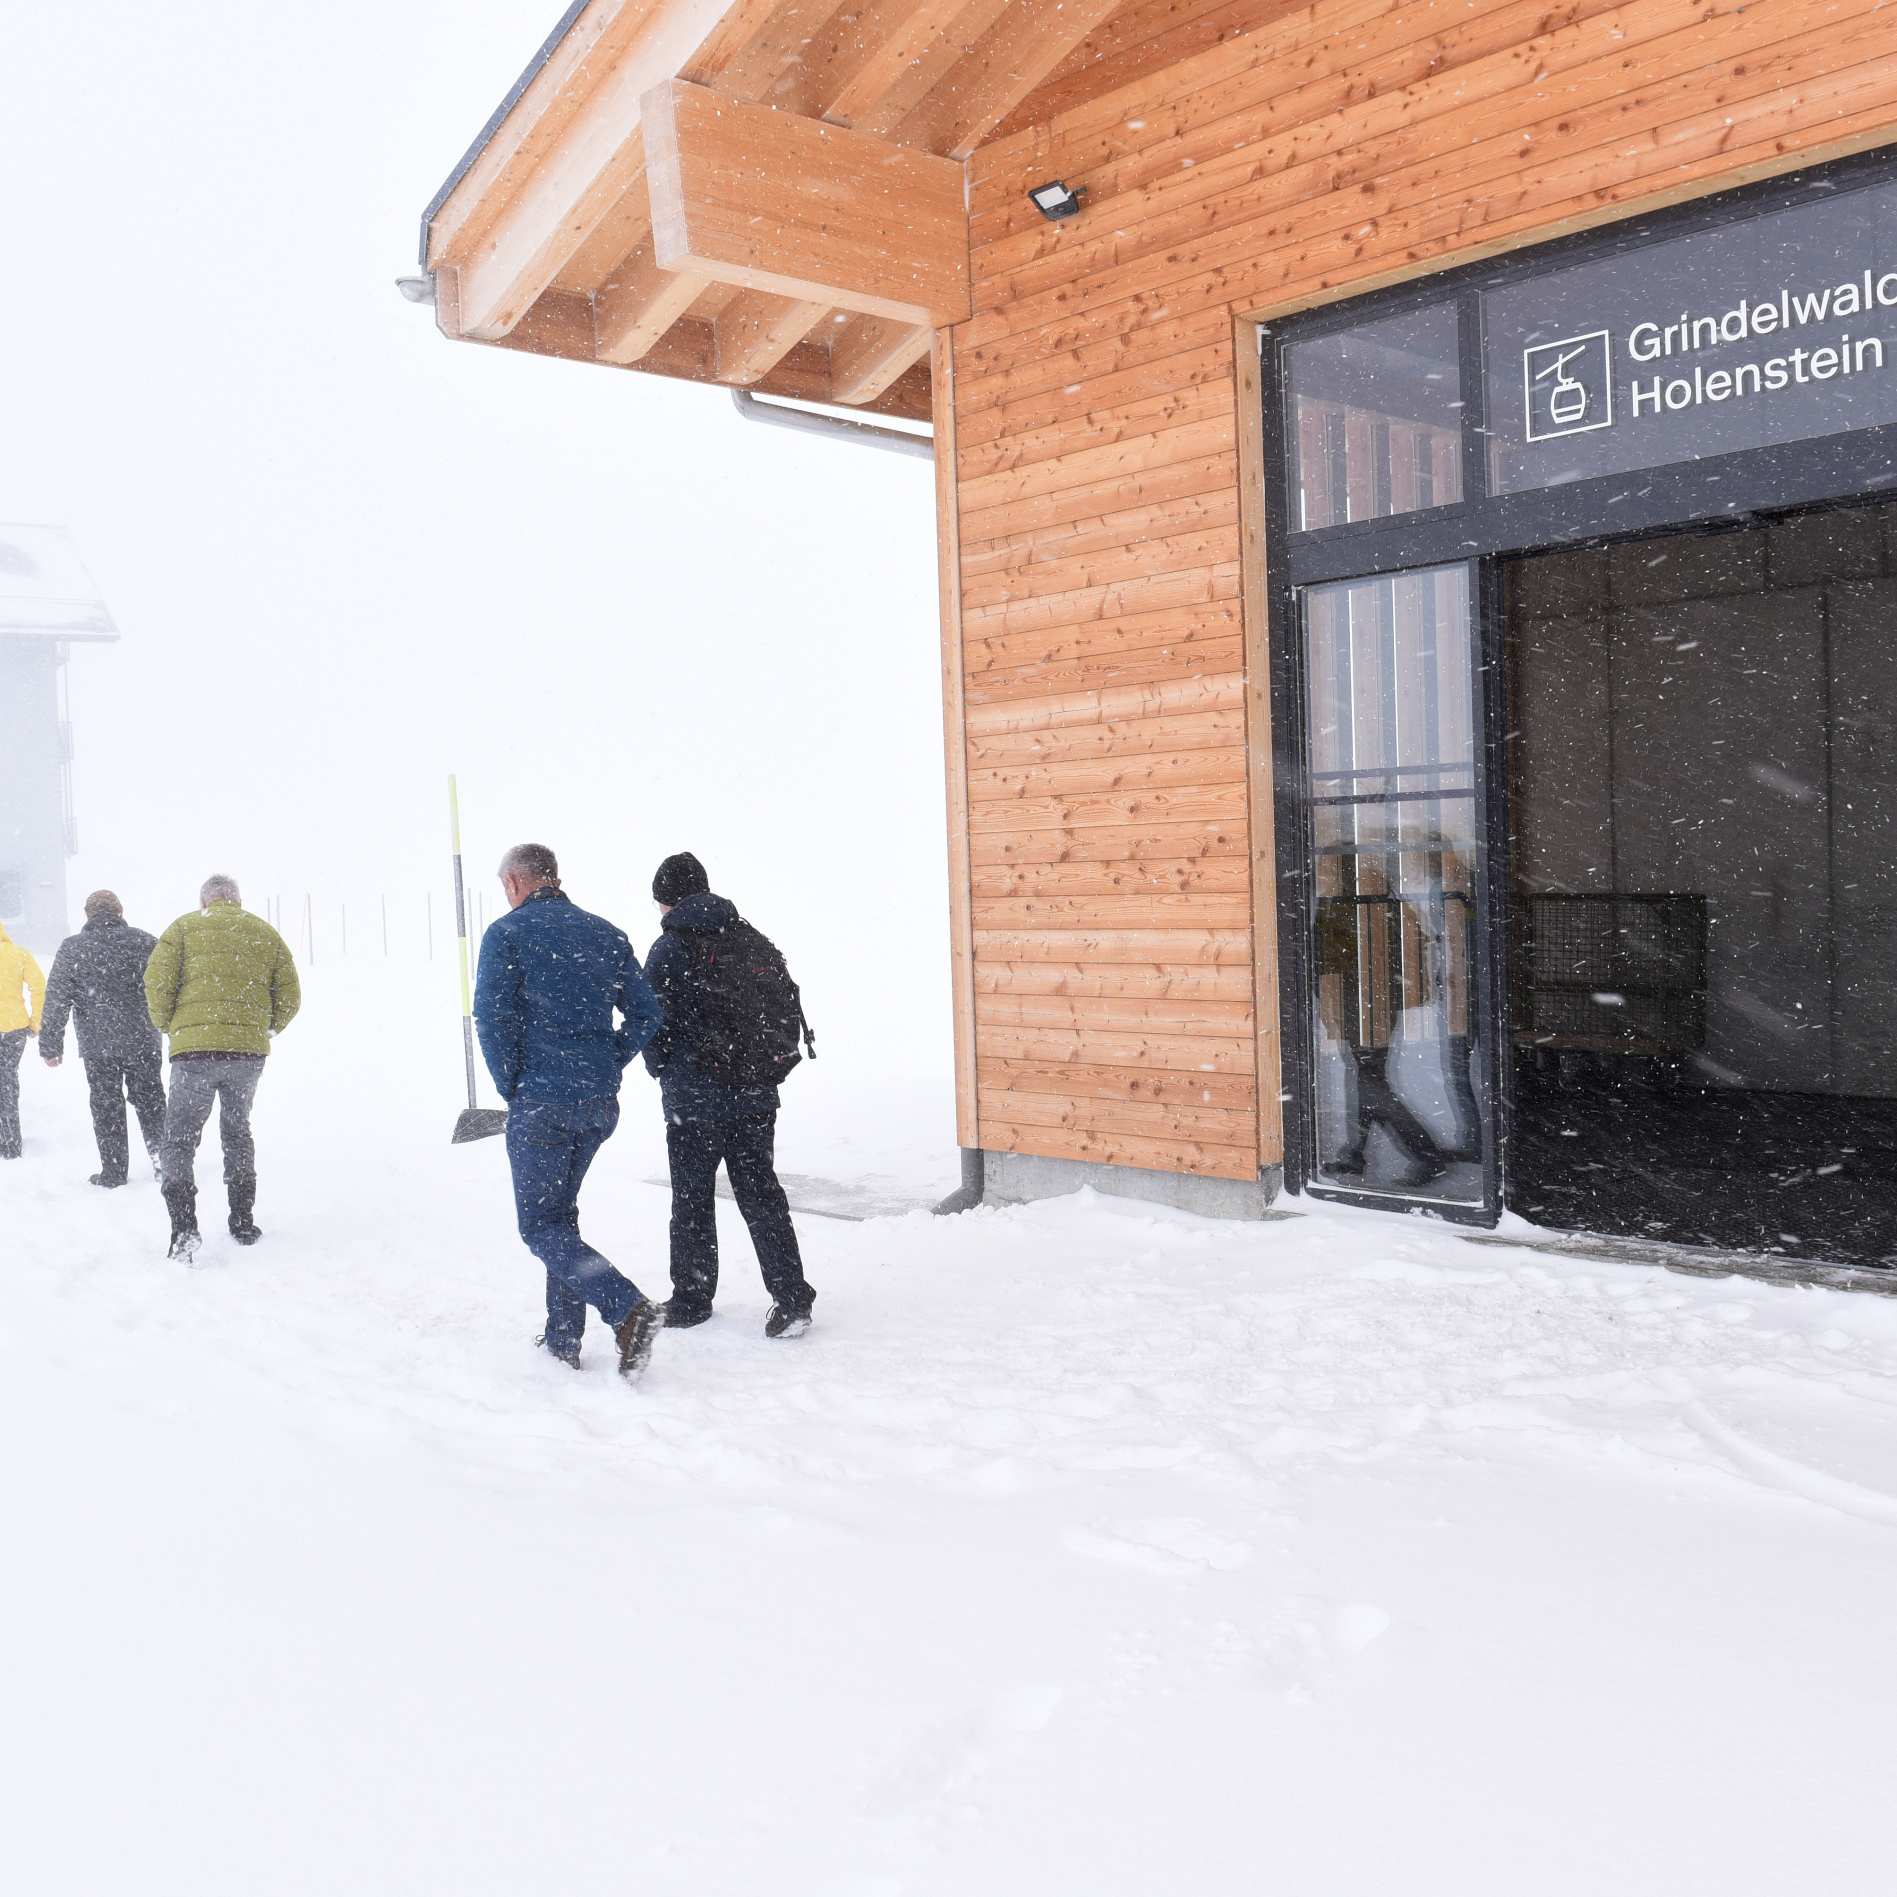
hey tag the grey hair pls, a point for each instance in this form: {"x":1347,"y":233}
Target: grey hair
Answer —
{"x":534,"y":861}
{"x":218,"y":889}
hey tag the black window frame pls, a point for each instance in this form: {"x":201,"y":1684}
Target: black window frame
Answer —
{"x":1484,"y":529}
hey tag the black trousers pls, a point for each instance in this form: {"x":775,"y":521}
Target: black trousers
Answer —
{"x":12,"y":1046}
{"x":1379,"y":1104}
{"x":746,"y":1144}
{"x":110,"y":1082}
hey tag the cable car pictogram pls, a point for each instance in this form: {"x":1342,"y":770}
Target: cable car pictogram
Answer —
{"x":1567,"y":399}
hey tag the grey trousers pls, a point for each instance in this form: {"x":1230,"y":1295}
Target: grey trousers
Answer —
{"x":228,"y":1081}
{"x":12,"y":1046}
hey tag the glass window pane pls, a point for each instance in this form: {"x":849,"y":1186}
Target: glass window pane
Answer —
{"x":1398,"y":857}
{"x":1373,"y":419}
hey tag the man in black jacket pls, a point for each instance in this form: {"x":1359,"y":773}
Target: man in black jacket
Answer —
{"x":708,"y":1119}
{"x":98,"y":978}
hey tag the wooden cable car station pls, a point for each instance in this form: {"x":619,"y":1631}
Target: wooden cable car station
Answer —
{"x":1417,"y":506}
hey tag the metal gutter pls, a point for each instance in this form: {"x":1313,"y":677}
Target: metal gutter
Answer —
{"x":974,"y":1184}
{"x":837,"y":427}
{"x":500,"y":114}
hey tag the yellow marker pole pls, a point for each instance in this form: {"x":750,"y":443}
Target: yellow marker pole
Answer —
{"x":461,"y":933}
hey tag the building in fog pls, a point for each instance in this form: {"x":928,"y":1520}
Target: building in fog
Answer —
{"x":48,"y":603}
{"x":1417,"y":510}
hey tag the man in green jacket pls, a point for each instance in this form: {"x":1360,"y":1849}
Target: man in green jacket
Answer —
{"x":221,"y":983}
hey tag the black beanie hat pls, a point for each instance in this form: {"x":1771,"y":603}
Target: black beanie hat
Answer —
{"x":678,"y":877}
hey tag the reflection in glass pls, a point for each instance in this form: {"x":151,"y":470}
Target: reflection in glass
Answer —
{"x":1374,"y":418}
{"x":1397,"y":853}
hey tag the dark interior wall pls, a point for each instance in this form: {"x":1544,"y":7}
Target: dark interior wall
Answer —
{"x":1712,"y":714}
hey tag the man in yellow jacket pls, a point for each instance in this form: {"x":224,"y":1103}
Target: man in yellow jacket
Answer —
{"x":221,"y":983}
{"x":22,"y":996}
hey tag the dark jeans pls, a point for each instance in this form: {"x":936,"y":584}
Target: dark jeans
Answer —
{"x":745,"y":1142}
{"x":110,"y":1082}
{"x":198,"y":1083}
{"x":550,"y":1144}
{"x":12,"y":1046}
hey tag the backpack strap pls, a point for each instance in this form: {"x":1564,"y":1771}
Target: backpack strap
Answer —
{"x":803,"y":1020}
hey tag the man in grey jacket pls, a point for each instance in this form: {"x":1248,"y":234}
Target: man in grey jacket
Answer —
{"x":98,"y":983}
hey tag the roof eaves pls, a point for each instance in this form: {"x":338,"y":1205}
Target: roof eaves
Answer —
{"x":494,"y":124}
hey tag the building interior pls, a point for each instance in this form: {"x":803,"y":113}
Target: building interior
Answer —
{"x":1703,"y":1002}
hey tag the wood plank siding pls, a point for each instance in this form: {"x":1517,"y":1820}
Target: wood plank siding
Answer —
{"x":1111,"y":795}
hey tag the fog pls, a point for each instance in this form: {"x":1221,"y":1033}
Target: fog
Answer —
{"x":347,"y":556}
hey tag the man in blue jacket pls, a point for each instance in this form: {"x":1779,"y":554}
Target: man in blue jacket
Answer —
{"x":551,"y":979}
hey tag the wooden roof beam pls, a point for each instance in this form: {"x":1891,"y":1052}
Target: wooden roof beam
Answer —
{"x":771,"y":201}
{"x":869,"y":353}
{"x":638,"y":304}
{"x":511,"y":149}
{"x":776,"y":51}
{"x":870,"y":49}
{"x":755,"y":333}
{"x":1025,"y":44}
{"x":562,"y":325}
{"x":951,"y":31}
{"x":864,"y":55}
{"x":504,"y":262}
{"x":995,"y":55}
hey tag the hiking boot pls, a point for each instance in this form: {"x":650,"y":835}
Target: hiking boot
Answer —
{"x":182,"y":1203}
{"x":106,"y":1180}
{"x":243,"y":1197}
{"x":634,"y":1338}
{"x":683,"y":1317}
{"x":783,"y":1323}
{"x":568,"y":1354}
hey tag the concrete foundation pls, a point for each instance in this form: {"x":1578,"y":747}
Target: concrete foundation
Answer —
{"x":1016,"y":1178}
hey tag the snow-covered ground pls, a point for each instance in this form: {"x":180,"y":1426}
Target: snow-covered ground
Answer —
{"x":1079,"y":1548}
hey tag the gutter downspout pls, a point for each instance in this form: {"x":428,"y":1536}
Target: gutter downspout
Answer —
{"x":974,"y":1183}
{"x":779,"y":415}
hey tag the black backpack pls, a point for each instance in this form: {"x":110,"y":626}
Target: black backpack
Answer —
{"x":747,"y":1020}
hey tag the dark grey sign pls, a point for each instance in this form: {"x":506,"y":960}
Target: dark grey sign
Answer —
{"x":1773,"y":328}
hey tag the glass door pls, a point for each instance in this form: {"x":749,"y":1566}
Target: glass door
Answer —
{"x":1399,"y":1099}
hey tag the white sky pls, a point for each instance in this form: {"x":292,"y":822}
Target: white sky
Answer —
{"x":348,"y":556}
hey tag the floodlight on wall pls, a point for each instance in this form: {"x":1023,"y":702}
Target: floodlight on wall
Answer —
{"x":1055,"y":200}
{"x":417,"y":289}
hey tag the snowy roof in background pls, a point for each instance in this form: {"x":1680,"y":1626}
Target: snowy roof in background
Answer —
{"x":45,"y":590}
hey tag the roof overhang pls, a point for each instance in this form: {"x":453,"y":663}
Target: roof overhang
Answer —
{"x":765,"y":194}
{"x":45,"y":590}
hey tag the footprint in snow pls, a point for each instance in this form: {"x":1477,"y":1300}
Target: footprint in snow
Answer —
{"x":946,"y":1764}
{"x":1167,"y":1544}
{"x":1356,"y":1624}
